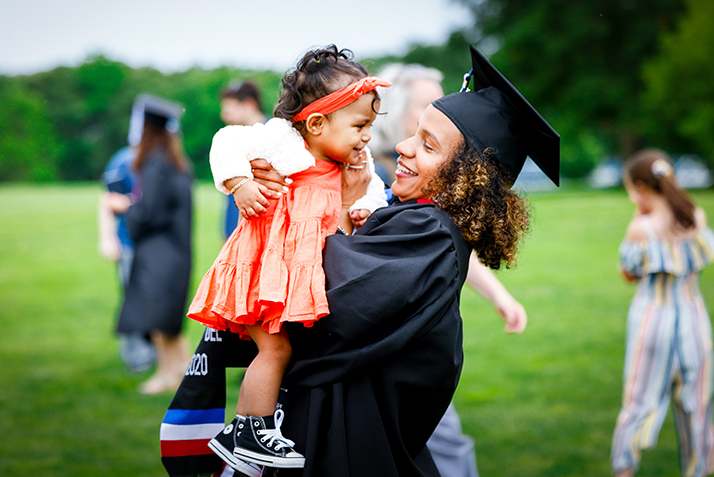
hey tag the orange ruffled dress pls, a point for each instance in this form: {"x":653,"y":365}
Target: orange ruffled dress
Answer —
{"x":269,"y":271}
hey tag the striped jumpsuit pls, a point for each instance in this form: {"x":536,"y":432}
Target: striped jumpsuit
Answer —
{"x":668,"y":352}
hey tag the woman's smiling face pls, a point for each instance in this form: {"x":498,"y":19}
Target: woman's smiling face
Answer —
{"x":420,"y":156}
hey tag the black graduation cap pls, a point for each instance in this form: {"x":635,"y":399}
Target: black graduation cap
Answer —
{"x":496,"y":115}
{"x":159,"y":111}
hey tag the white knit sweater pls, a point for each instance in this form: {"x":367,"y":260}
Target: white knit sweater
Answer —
{"x":278,"y":142}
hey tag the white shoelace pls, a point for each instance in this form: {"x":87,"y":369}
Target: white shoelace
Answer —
{"x":274,"y":435}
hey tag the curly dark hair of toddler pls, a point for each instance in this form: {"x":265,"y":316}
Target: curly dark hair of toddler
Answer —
{"x":321,"y":71}
{"x":472,"y":190}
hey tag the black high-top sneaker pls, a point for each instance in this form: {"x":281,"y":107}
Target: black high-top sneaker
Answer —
{"x":262,"y":443}
{"x":224,"y":443}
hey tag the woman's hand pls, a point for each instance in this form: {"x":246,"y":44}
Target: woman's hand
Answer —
{"x":264,"y":174}
{"x":354,"y":183}
{"x":513,"y":314}
{"x":354,"y":186}
{"x":109,"y":245}
{"x":117,"y":203}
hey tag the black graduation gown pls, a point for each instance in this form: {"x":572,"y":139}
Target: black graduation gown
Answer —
{"x":160,"y":226}
{"x":369,"y":382}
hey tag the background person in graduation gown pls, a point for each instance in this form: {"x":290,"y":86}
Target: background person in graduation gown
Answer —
{"x":371,"y":380}
{"x":160,"y":226}
{"x":115,"y":244}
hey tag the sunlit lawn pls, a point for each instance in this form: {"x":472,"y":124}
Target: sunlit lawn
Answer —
{"x":539,"y":404}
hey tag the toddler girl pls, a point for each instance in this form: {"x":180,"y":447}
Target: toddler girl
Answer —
{"x":669,"y":336}
{"x":270,"y":269}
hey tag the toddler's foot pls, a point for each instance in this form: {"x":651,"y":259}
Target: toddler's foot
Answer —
{"x":262,"y":443}
{"x":224,"y":443}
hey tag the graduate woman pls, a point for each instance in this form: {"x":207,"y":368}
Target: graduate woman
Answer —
{"x":370,"y":382}
{"x":159,"y":223}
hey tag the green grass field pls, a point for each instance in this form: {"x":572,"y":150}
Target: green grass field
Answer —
{"x":539,"y":404}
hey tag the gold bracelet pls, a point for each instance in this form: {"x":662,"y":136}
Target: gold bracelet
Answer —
{"x":238,"y":185}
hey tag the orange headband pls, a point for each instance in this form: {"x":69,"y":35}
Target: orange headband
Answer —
{"x":341,"y":98}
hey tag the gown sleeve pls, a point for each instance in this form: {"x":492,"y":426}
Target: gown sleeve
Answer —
{"x":386,"y":288}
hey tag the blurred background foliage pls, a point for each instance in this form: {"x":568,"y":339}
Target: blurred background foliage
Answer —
{"x":611,"y":76}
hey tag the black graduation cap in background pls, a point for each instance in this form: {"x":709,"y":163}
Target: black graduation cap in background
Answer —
{"x":159,"y":111}
{"x":496,"y":115}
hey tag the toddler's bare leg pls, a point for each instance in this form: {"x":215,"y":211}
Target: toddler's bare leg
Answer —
{"x":261,"y":384}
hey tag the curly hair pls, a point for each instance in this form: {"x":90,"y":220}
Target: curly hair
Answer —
{"x":492,"y":218}
{"x":320,"y":72}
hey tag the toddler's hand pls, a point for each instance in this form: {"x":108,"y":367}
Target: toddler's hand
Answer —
{"x":359,"y":217}
{"x":250,"y":199}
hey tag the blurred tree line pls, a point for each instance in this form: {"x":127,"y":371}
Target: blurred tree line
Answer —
{"x":65,"y":124}
{"x":611,"y":76}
